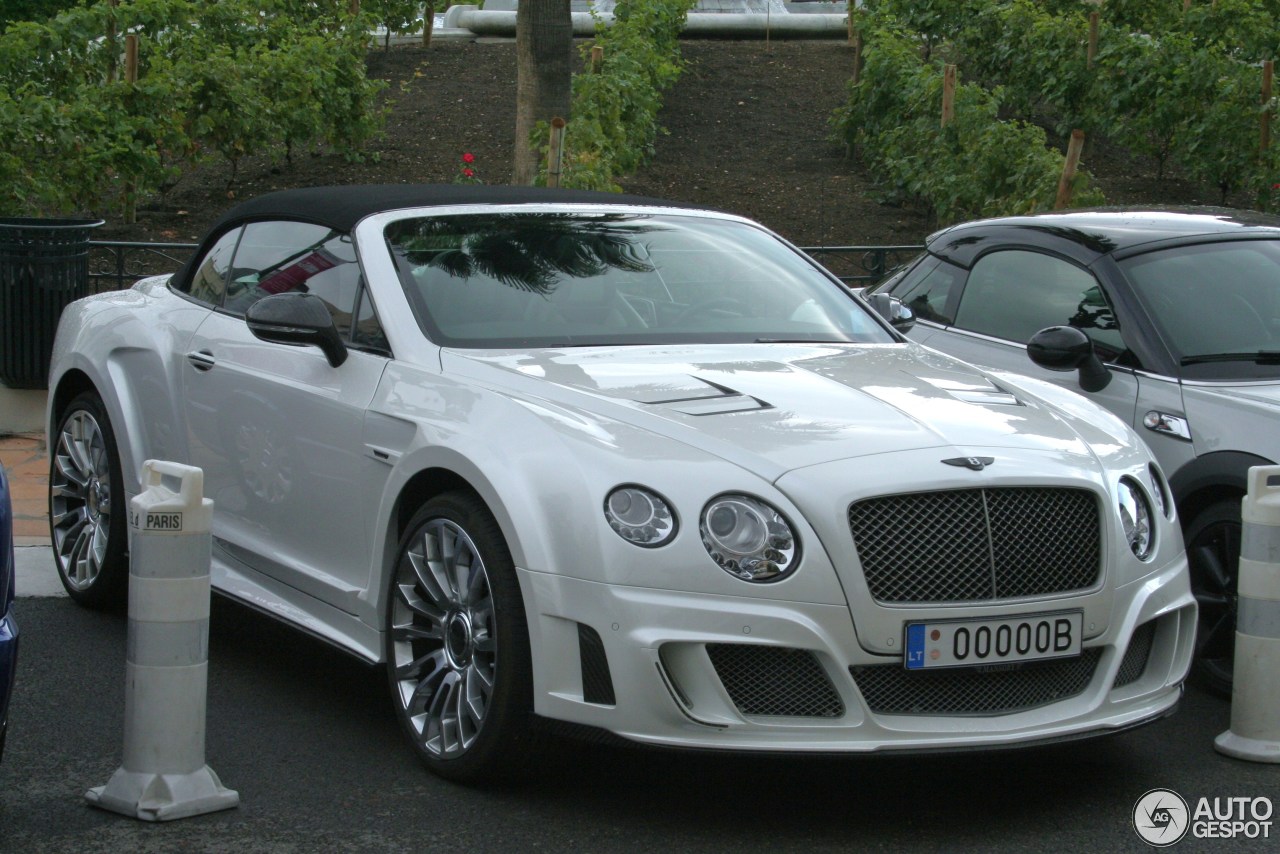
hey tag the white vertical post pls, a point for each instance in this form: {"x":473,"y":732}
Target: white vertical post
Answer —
{"x":1255,"y":695}
{"x":164,"y":775}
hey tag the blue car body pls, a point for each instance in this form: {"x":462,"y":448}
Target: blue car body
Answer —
{"x":8,"y":625}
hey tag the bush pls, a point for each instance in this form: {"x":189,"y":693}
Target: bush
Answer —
{"x":614,"y":114}
{"x":977,"y":166}
{"x":214,"y":80}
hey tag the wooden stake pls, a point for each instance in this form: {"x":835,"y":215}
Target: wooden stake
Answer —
{"x":1186,"y":5}
{"x":131,"y":58}
{"x":555,"y":152}
{"x":948,"y":94}
{"x":1092,"y":50}
{"x":857,"y":57}
{"x":1069,"y":166}
{"x":1268,"y":72}
{"x":597,"y":59}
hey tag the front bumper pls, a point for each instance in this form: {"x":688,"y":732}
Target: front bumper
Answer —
{"x":701,"y":671}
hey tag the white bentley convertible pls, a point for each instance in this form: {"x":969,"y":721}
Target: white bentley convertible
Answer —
{"x":624,"y":464}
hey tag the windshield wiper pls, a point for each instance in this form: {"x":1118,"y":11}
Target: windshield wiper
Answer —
{"x":803,"y":341}
{"x":1258,"y":357}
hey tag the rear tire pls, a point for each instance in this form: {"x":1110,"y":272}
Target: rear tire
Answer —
{"x":1213,"y":551}
{"x":87,"y":506}
{"x":457,"y":643}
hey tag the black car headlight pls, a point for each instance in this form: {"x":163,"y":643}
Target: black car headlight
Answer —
{"x":640,"y":516}
{"x":748,"y":538}
{"x":1136,"y":518}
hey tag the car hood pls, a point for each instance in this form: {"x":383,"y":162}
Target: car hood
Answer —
{"x":778,"y":407}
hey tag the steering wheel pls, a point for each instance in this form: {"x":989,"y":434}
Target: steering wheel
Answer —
{"x":726,"y":305}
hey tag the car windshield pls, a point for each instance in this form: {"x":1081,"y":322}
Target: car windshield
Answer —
{"x":507,"y":280}
{"x":1217,"y":305}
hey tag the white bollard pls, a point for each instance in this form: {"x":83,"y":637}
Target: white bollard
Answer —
{"x":1255,"y":695}
{"x":164,"y":775}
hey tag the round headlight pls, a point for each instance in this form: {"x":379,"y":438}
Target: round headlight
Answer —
{"x":1135,"y":516}
{"x":640,"y":516}
{"x":748,"y":538}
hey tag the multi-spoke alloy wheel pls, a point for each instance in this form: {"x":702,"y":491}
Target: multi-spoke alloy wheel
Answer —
{"x":86,"y":516}
{"x":1213,"y":551}
{"x":457,"y":645}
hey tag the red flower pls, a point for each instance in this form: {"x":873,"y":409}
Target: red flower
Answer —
{"x":468,"y":158}
{"x":470,"y":173}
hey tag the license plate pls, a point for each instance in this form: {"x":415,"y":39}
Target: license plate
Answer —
{"x":970,"y":643}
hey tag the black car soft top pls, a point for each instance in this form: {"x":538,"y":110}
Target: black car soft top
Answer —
{"x":341,"y":207}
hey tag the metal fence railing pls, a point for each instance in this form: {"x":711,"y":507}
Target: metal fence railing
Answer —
{"x":116,"y":265}
{"x":861,"y":266}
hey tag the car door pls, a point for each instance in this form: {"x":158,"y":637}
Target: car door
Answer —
{"x":987,"y":316}
{"x":276,"y":428}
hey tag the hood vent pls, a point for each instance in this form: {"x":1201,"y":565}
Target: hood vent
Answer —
{"x":720,"y":401}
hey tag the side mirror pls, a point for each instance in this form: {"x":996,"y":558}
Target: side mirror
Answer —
{"x":1065,"y":348}
{"x":894,"y":310}
{"x":301,"y":320}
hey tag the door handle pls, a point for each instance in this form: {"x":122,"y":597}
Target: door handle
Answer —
{"x":202,"y":360}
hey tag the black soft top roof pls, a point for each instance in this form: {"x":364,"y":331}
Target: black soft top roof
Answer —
{"x":340,"y":208}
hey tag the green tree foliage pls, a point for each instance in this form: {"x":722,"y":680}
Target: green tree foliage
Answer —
{"x":397,"y":17}
{"x":222,"y":79}
{"x":615,"y":112}
{"x":1182,"y":88}
{"x":978,"y":165}
{"x":31,"y":10}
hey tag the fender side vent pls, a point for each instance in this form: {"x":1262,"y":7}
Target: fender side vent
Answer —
{"x":597,"y":683}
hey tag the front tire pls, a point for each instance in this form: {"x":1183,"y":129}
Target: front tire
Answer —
{"x":1213,"y":551}
{"x":457,"y":642}
{"x":87,"y":506}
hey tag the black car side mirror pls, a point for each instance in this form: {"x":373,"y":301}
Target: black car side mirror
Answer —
{"x":894,"y":310}
{"x":1065,"y":348}
{"x":298,"y":319}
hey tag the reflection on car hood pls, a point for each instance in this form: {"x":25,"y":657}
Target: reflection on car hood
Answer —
{"x":785,"y":405}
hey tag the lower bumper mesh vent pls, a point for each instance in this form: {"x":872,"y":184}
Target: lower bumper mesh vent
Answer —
{"x":893,"y":690}
{"x":775,"y":681}
{"x":1135,"y":657}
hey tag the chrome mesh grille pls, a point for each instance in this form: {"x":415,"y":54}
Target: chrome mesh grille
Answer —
{"x":891,"y":689}
{"x":1135,"y":657}
{"x":977,"y":545}
{"x":775,"y":681}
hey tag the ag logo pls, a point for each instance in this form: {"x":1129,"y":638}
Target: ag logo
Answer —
{"x":1161,"y":817}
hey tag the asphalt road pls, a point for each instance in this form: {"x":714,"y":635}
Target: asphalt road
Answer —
{"x":308,"y":739}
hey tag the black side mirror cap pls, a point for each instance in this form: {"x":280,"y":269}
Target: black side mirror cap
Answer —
{"x":894,"y":310}
{"x":1065,"y":348}
{"x":301,"y":320}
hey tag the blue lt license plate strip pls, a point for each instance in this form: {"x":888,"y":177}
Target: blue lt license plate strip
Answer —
{"x":969,"y":643}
